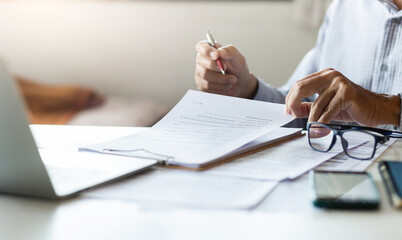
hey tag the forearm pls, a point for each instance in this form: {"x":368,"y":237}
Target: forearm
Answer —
{"x":389,"y":110}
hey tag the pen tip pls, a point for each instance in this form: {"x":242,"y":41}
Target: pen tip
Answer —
{"x":223,"y":72}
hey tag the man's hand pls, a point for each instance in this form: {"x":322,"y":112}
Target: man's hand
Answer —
{"x":237,"y":82}
{"x":341,"y":99}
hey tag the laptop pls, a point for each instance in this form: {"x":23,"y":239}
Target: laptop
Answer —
{"x":25,"y":170}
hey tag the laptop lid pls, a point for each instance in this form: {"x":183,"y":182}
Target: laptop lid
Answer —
{"x":21,"y":168}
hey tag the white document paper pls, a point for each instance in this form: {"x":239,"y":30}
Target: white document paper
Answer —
{"x":200,"y":129}
{"x":178,"y":188}
{"x":285,"y":161}
{"x":343,"y":163}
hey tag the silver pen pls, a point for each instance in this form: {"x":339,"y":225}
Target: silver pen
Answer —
{"x":211,"y":42}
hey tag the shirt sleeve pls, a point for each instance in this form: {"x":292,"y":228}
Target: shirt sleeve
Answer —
{"x":308,"y":65}
{"x":268,"y":93}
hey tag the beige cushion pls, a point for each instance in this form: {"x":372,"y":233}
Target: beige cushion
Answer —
{"x":118,"y":111}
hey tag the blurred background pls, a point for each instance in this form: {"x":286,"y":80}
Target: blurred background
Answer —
{"x":134,"y":60}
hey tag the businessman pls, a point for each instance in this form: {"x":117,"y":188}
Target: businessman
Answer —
{"x":354,"y":73}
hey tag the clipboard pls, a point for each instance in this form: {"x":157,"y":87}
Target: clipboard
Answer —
{"x":255,"y":146}
{"x":242,"y":154}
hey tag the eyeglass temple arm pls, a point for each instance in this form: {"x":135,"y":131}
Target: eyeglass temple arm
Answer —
{"x":389,"y":134}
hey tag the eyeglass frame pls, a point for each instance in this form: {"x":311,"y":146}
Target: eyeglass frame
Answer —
{"x":339,"y":129}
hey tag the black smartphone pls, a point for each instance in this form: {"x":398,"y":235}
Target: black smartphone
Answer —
{"x":344,"y":190}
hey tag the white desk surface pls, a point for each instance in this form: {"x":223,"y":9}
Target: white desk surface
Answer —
{"x":287,"y":213}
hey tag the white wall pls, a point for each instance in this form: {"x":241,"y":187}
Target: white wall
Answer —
{"x":145,"y":48}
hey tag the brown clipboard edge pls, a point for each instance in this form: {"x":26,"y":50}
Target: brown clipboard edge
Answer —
{"x":230,"y":159}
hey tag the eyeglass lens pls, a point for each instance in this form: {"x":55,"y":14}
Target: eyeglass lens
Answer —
{"x":320,"y":137}
{"x":360,"y":144}
{"x":356,"y":143}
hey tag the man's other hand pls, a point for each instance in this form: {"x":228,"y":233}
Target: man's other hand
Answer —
{"x":341,"y":99}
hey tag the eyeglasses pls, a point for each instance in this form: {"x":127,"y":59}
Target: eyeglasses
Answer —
{"x":322,"y":137}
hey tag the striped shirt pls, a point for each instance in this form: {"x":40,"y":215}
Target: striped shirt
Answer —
{"x":362,"y":39}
